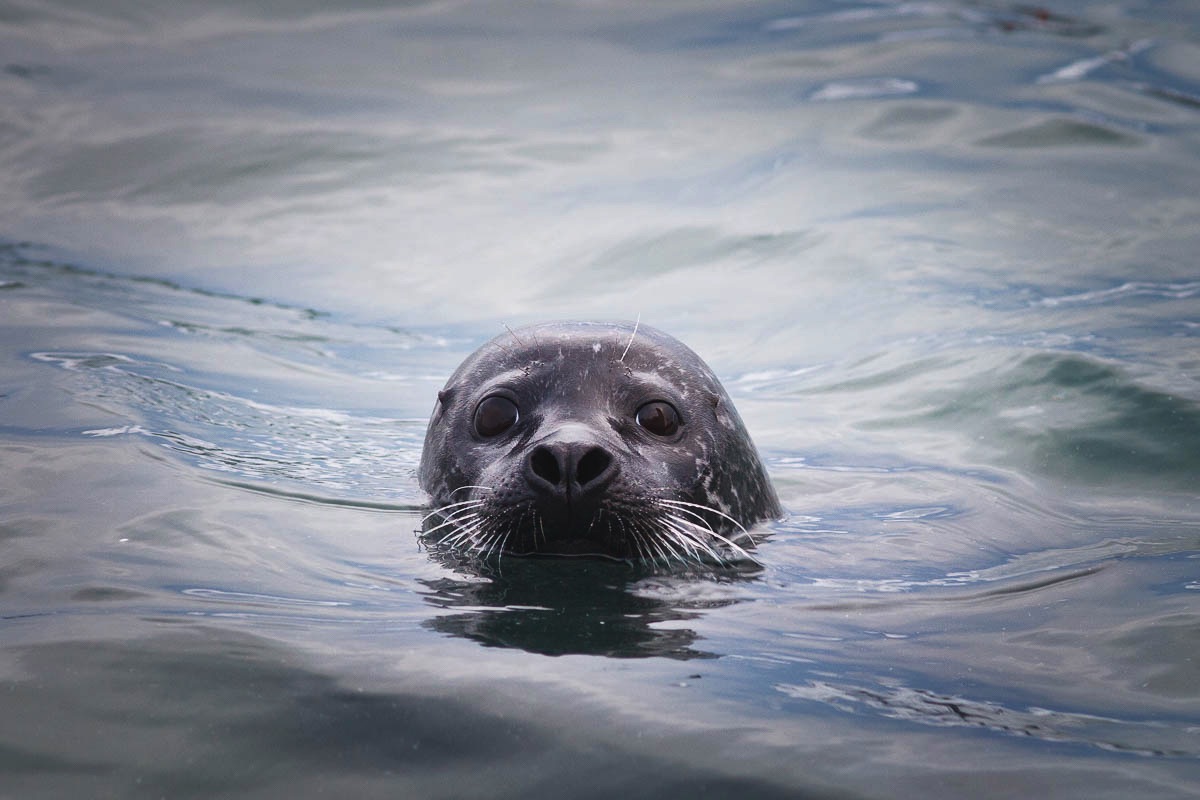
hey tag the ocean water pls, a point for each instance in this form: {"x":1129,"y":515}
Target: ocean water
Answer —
{"x":942,"y":254}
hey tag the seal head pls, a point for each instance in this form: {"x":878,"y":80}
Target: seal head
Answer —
{"x":588,"y":438}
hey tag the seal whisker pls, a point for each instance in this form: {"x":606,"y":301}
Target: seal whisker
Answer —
{"x":456,"y":521}
{"x":632,"y":532}
{"x":678,"y":550}
{"x":737,"y":550}
{"x":628,"y":536}
{"x":709,"y":533}
{"x":625,"y":352}
{"x":487,"y":543}
{"x":700,"y":520}
{"x":692,"y":546}
{"x":485,"y":534}
{"x":513,"y":334}
{"x":664,"y":545}
{"x":479,"y":530}
{"x":443,"y":509}
{"x":520,"y":524}
{"x":690,"y":537}
{"x":464,"y":539}
{"x":699,"y":531}
{"x":472,"y":486}
{"x":722,"y":514}
{"x":688,"y":545}
{"x":502,"y":542}
{"x":461,"y":517}
{"x":466,"y":530}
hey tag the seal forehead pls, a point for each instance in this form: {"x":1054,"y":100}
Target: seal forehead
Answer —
{"x":625,"y":342}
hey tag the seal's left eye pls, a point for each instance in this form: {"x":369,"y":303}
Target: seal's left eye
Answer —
{"x":659,"y":418}
{"x":494,"y":415}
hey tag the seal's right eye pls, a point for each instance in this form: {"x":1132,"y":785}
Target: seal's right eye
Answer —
{"x":494,"y":415}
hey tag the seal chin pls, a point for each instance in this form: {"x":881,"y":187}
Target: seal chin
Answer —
{"x":574,"y":547}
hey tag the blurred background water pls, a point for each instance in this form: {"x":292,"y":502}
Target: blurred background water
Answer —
{"x":943,"y":255}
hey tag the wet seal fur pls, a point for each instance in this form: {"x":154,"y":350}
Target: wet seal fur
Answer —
{"x":592,"y":439}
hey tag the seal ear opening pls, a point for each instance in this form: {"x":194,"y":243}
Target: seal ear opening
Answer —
{"x":443,"y":402}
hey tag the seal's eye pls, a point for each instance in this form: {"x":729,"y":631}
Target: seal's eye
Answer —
{"x":659,"y":418}
{"x":494,"y":415}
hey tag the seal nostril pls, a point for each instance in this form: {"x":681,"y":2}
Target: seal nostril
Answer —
{"x":545,"y":466}
{"x":592,"y":465}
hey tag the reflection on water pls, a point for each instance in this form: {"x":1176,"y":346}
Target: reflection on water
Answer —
{"x":568,"y":606}
{"x":229,"y":696}
{"x":942,"y":255}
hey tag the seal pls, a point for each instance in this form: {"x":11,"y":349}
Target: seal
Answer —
{"x":592,"y":439}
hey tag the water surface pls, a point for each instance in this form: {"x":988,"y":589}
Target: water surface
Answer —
{"x":942,"y":255}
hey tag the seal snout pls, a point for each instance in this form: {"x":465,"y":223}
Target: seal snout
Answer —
{"x":569,"y":471}
{"x":569,"y":475}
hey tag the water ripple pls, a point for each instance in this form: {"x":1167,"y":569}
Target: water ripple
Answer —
{"x":1172,"y":290}
{"x":865,"y":88}
{"x":1151,"y":738}
{"x":255,"y":440}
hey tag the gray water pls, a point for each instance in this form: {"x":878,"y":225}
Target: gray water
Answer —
{"x":943,"y":255}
